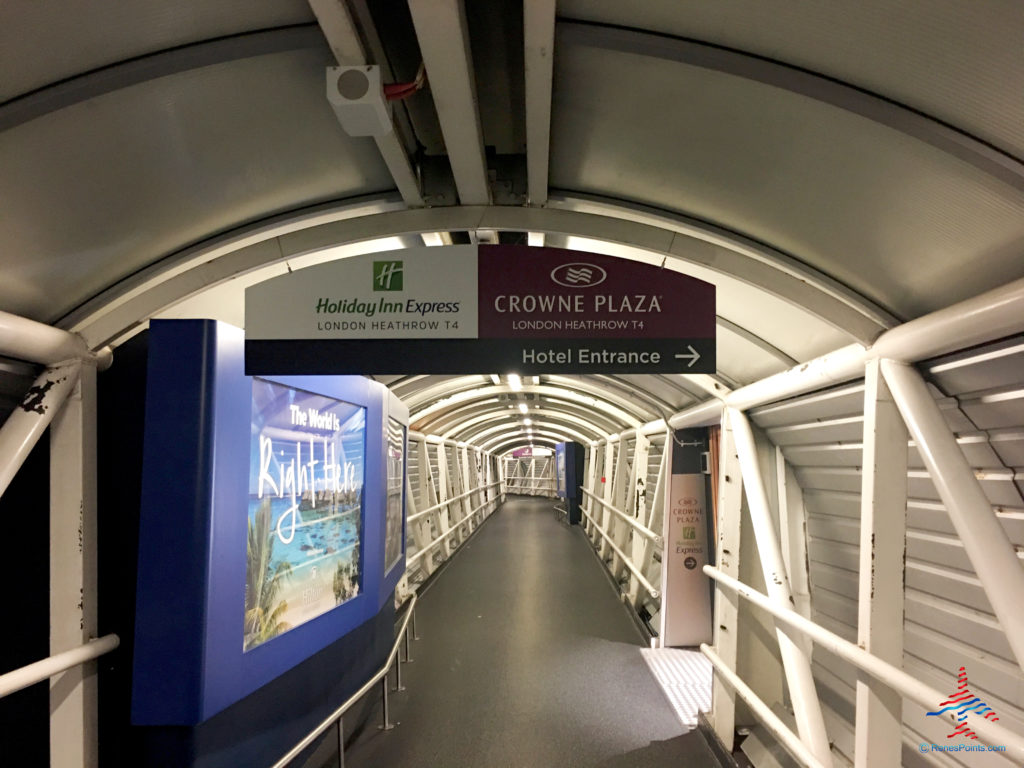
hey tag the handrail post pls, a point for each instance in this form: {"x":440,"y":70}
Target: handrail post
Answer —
{"x":408,"y":632}
{"x":398,"y":674}
{"x":415,"y":632}
{"x":341,"y":742}
{"x":387,"y":725}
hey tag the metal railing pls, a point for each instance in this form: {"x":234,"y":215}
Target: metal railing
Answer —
{"x":638,"y":527}
{"x":38,"y":671}
{"x":456,"y":525}
{"x":625,"y":559}
{"x":892,"y":676}
{"x":380,"y":676}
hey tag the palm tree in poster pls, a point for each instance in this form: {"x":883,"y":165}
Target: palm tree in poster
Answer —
{"x":263,"y":611}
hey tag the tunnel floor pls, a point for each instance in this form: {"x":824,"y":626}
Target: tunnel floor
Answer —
{"x":527,"y":658}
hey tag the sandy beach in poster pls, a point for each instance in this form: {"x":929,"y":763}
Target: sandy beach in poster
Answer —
{"x":309,"y":592}
{"x":317,"y":570}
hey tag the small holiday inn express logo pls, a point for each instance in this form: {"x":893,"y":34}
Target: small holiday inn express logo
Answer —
{"x":387,"y":275}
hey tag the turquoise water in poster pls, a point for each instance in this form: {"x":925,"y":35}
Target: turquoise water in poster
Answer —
{"x":306,"y":476}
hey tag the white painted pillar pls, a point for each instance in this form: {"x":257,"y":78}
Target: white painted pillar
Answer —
{"x":726,"y":621}
{"x":73,"y":615}
{"x":806,"y":706}
{"x":883,"y":536}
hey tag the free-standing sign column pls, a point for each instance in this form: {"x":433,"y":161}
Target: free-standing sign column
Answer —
{"x":486,"y":308}
{"x":685,"y":595}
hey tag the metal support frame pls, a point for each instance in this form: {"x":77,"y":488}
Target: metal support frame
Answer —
{"x":651,"y":589}
{"x":799,"y":678}
{"x":726,"y":609}
{"x":776,"y":727}
{"x":340,"y":30}
{"x":538,"y":60}
{"x":987,"y":546}
{"x":22,"y":429}
{"x":988,"y":731}
{"x":73,"y":573}
{"x":443,"y":35}
{"x":883,"y":537}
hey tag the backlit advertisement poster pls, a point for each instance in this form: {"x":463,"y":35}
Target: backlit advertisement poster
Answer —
{"x":394,"y":515}
{"x":306,"y":476}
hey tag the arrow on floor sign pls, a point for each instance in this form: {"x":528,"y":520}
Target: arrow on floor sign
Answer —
{"x":693,"y":357}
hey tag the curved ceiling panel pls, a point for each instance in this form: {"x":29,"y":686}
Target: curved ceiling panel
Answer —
{"x":100,"y":189}
{"x":959,"y":62}
{"x":42,"y":43}
{"x":900,"y":222}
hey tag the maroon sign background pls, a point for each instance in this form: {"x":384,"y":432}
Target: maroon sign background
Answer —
{"x":519,"y":296}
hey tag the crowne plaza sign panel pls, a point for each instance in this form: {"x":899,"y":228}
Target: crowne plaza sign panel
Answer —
{"x":480,"y":309}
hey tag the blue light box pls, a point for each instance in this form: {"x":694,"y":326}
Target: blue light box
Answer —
{"x":272,"y":520}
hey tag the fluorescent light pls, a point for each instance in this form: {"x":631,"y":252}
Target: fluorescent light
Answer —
{"x":536,"y":239}
{"x":515,"y":382}
{"x":527,"y":422}
{"x":523,"y":408}
{"x":495,"y":378}
{"x":535,"y":379}
{"x":432,"y":238}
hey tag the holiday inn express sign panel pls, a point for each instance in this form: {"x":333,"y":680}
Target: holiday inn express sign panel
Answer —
{"x":481,"y":308}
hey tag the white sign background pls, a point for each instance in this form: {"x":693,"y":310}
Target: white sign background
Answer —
{"x":285,"y":307}
{"x":685,"y":596}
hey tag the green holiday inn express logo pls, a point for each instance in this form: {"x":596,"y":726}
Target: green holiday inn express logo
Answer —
{"x":387,"y":275}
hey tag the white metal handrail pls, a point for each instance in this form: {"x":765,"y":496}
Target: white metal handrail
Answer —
{"x":430,"y":547}
{"x":453,"y":499}
{"x":336,"y":715}
{"x":38,"y":671}
{"x":629,"y":563}
{"x":886,"y":673}
{"x":771,"y":721}
{"x":639,"y":527}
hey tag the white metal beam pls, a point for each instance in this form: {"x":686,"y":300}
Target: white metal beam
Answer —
{"x":807,"y":708}
{"x":538,"y":57}
{"x":727,"y":556}
{"x":23,"y":427}
{"x":883,"y":536}
{"x":343,"y":38}
{"x":443,"y":35}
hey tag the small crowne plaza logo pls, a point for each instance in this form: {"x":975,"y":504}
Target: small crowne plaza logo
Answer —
{"x":961,"y":702}
{"x":387,"y":275}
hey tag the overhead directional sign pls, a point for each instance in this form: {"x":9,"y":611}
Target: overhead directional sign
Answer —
{"x":486,"y":308}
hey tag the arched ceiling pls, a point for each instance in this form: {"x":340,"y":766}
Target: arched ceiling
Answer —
{"x":833,"y":167}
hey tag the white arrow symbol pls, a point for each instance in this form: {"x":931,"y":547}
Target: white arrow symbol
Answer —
{"x":693,"y":357}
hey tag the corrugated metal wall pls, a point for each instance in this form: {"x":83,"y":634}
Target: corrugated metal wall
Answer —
{"x":948,"y":619}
